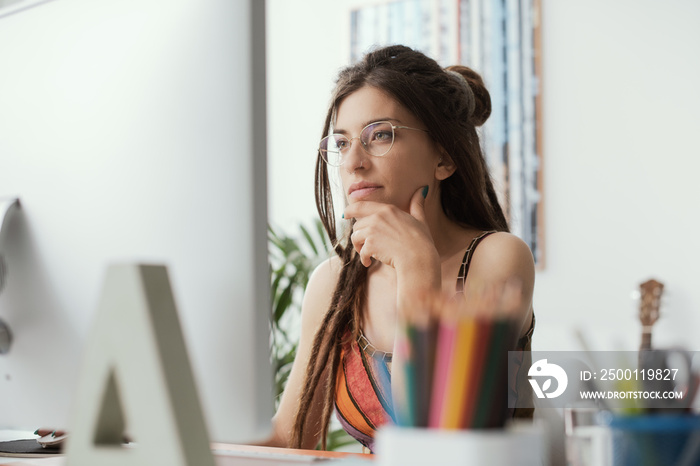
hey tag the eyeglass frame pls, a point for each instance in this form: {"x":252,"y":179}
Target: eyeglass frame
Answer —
{"x":393,"y":139}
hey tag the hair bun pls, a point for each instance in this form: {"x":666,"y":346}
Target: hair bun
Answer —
{"x":482,"y":98}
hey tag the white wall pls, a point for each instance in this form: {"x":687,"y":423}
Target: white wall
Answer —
{"x":621,"y":106}
{"x":305,"y":51}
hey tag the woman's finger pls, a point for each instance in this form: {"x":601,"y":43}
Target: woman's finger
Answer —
{"x":366,"y":254}
{"x":44,"y":431}
{"x":358,"y":238}
{"x":417,"y":207}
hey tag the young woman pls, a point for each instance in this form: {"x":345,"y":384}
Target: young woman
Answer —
{"x":401,"y":134}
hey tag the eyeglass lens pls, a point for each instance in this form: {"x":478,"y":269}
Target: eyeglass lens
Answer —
{"x":376,"y":139}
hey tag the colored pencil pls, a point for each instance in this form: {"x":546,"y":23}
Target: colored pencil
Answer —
{"x":446,"y":340}
{"x":494,"y":363}
{"x":402,"y":379}
{"x":479,"y":352}
{"x":421,"y":343}
{"x":462,"y":361}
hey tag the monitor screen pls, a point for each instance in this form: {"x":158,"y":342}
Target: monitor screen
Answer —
{"x":134,"y":131}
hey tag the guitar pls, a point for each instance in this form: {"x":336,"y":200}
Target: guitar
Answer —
{"x":649,"y":304}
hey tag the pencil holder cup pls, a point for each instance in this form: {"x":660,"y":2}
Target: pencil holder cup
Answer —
{"x":655,"y":439}
{"x":523,"y":444}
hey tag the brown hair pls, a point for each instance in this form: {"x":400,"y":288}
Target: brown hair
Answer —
{"x":450,"y":103}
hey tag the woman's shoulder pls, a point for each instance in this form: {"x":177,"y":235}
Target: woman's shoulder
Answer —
{"x":503,"y":253}
{"x":504,"y":238}
{"x":326,"y":274}
{"x":320,"y":288}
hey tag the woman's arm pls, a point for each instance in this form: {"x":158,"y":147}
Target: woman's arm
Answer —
{"x":499,"y":259}
{"x":317,"y":300}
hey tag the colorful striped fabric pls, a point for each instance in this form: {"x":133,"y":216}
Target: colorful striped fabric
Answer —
{"x":363,"y":394}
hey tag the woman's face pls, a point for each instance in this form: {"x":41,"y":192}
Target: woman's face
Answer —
{"x":412,"y":162}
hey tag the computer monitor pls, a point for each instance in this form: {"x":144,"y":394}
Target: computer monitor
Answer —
{"x":134,"y":131}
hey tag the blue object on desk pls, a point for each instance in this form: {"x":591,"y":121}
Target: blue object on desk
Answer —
{"x":656,"y":440}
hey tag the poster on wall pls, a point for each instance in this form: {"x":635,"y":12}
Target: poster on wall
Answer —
{"x":500,"y":39}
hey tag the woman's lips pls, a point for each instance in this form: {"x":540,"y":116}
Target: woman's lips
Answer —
{"x":359,"y":193}
{"x":362,"y":189}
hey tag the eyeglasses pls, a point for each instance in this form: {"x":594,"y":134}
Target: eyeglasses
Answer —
{"x":376,"y":139}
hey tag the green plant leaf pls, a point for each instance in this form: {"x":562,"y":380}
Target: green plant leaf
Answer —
{"x":283,"y":302}
{"x":309,"y":239}
{"x":338,"y":438}
{"x":278,"y":276}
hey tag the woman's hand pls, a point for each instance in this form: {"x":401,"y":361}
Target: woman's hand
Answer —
{"x":391,"y":236}
{"x":44,"y":431}
{"x":401,"y":240}
{"x":50,"y":438}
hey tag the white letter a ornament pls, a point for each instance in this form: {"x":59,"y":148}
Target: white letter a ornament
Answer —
{"x":136,"y":379}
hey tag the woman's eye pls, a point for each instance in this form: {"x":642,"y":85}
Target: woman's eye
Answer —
{"x":381,"y":136}
{"x":342,"y":144}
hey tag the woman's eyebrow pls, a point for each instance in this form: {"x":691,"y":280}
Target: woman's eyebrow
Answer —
{"x":373,"y":120}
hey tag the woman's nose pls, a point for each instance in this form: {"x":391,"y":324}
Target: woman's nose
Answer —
{"x":354,"y":156}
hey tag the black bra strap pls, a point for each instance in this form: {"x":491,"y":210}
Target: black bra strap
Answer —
{"x":466,"y":260}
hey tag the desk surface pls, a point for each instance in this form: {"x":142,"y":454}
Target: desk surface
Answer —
{"x":237,"y":455}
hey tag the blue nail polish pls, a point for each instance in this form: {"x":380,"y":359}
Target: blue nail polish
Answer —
{"x":425,"y":192}
{"x":342,"y":215}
